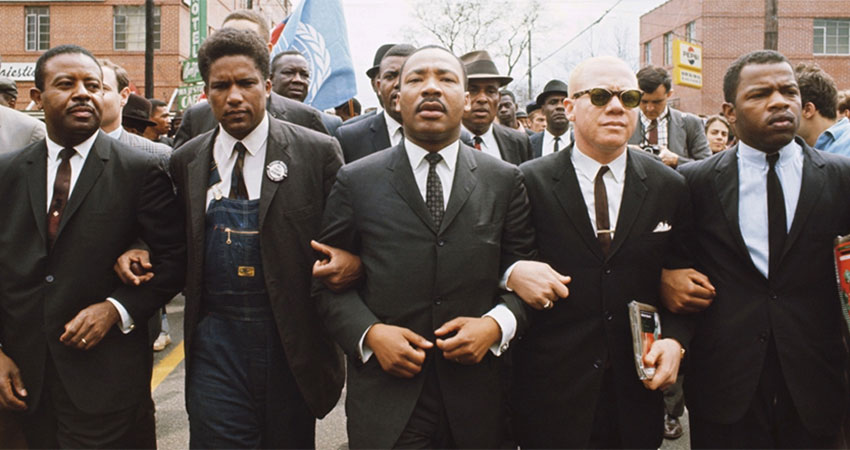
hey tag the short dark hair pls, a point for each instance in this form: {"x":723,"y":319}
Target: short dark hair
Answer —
{"x":435,"y":47}
{"x":157,"y":103}
{"x":232,"y":42}
{"x":121,"y":75}
{"x":843,"y":101}
{"x":404,"y":50}
{"x":817,"y":88}
{"x":285,"y":53}
{"x":251,"y":16}
{"x":650,"y":77}
{"x":56,"y":51}
{"x":733,"y":73}
{"x":508,"y":93}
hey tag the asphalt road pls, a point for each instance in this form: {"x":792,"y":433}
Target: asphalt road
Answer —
{"x":172,"y":423}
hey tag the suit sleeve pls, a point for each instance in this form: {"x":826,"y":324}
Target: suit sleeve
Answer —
{"x":184,"y":132}
{"x":38,"y":133}
{"x":697,"y":143}
{"x":525,"y":149}
{"x":317,"y":124}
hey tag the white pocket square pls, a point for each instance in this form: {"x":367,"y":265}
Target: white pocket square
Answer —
{"x":662,"y":227}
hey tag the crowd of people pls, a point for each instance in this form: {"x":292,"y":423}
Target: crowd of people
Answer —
{"x":463,"y":265}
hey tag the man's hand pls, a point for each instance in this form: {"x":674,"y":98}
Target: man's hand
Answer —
{"x":11,"y":386}
{"x":538,"y":284}
{"x":668,"y":157}
{"x":133,"y":267}
{"x":340,"y":271}
{"x":473,"y":338}
{"x":665,"y":355}
{"x":686,"y":290}
{"x":90,"y":325}
{"x":400,"y":352}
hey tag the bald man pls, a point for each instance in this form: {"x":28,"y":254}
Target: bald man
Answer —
{"x":608,"y":217}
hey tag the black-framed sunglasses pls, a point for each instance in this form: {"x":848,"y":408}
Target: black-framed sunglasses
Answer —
{"x":630,"y":98}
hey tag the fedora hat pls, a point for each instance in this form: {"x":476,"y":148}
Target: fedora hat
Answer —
{"x":379,"y":55}
{"x":552,"y":87}
{"x":480,"y":66}
{"x":8,"y":87}
{"x":138,"y":108}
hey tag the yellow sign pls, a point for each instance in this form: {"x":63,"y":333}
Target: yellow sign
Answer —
{"x":687,"y":54}
{"x":687,"y":77}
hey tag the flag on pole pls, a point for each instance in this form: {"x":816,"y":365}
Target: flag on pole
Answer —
{"x":317,"y":29}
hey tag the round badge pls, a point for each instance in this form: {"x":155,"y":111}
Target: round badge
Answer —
{"x":276,"y":171}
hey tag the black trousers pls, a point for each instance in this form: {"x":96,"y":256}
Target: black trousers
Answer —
{"x":428,"y":426}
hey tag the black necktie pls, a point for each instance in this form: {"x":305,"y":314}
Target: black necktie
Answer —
{"x":476,"y":141}
{"x":557,"y":141}
{"x":61,"y":189}
{"x":434,"y":189}
{"x":777,"y":225}
{"x":603,"y":223}
{"x":238,"y":190}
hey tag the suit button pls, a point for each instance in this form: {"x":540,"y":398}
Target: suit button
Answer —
{"x":763,"y":337}
{"x":438,"y":300}
{"x":607,"y":271}
{"x":441,"y":243}
{"x":609,"y":315}
{"x":504,"y":347}
{"x":49,"y":278}
{"x":597,"y":364}
{"x":774,"y":296}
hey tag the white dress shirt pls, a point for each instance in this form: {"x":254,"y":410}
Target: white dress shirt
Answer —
{"x":549,"y":142}
{"x":394,"y":130}
{"x":752,"y":196}
{"x":77,"y":161}
{"x":662,"y":126}
{"x":446,"y":171}
{"x":614,"y":179}
{"x":253,"y":167}
{"x":489,"y":144}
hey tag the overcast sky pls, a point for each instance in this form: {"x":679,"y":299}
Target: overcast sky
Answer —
{"x":375,"y":22}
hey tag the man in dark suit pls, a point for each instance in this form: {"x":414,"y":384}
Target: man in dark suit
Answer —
{"x":290,"y":74}
{"x":436,"y":224}
{"x":489,"y":137}
{"x":766,"y":360}
{"x":554,"y":137}
{"x":199,"y":118}
{"x":680,"y":137}
{"x":380,"y":131}
{"x":373,"y":73}
{"x":260,"y":369}
{"x":76,"y":333}
{"x":606,"y":217}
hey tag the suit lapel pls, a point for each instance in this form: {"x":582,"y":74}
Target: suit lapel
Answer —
{"x":501,"y":141}
{"x":462,"y":186}
{"x":811,"y":187}
{"x":380,"y":134}
{"x":197,"y":184}
{"x":568,"y":192}
{"x":404,"y":183}
{"x":726,"y":186}
{"x":37,"y":184}
{"x":277,"y":149}
{"x":276,"y":108}
{"x":634,"y":193}
{"x":675,"y":134}
{"x":92,"y":168}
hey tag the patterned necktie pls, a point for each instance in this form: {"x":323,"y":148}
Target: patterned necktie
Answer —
{"x":61,"y":189}
{"x":476,"y":141}
{"x":603,"y":223}
{"x":653,"y":132}
{"x":434,"y":189}
{"x":776,"y":222}
{"x":238,"y":190}
{"x":557,"y":141}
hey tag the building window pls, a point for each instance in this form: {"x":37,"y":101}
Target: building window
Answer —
{"x":691,"y":31}
{"x":832,"y":37}
{"x":128,"y":29}
{"x":668,"y":49}
{"x":38,"y":28}
{"x":647,"y":52}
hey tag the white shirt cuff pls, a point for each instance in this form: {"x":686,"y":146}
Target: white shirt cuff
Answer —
{"x":126,"y":324}
{"x":365,"y":351}
{"x":507,"y":322}
{"x":503,"y":283}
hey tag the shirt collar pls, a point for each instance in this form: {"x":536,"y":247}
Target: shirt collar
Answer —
{"x":116,"y":133}
{"x":589,"y":167}
{"x":750,"y":156}
{"x":484,"y":135}
{"x":82,"y":148}
{"x":661,"y":117}
{"x":833,"y":130}
{"x":548,"y":136}
{"x":416,"y":154}
{"x":392,"y":125}
{"x":253,"y":141}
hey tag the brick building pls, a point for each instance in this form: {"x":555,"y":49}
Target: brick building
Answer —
{"x":113,"y":29}
{"x":809,"y":31}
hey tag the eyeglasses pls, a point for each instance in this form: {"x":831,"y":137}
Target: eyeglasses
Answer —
{"x":600,"y":96}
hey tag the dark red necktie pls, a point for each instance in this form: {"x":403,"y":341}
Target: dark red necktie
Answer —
{"x":61,"y":189}
{"x":653,"y":132}
{"x":476,"y":141}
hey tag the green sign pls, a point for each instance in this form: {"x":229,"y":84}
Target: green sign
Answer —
{"x":190,"y":72}
{"x":188,"y":95}
{"x":197,"y":26}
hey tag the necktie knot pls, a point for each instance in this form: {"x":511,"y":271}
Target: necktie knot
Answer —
{"x":238,"y":190}
{"x":476,"y":142}
{"x":602,"y":171}
{"x":66,"y":153}
{"x":772,"y":158}
{"x":433,"y":158}
{"x":240,"y":149}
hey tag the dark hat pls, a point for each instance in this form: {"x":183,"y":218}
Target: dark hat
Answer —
{"x":138,"y":109}
{"x":520,"y":114}
{"x":379,"y":55}
{"x":552,"y":87}
{"x":480,"y":66}
{"x":531,"y":106}
{"x":8,"y":86}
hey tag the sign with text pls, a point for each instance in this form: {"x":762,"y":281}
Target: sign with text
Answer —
{"x":191,"y":73}
{"x":188,"y":95}
{"x":685,"y":77}
{"x":197,"y":26}
{"x":18,"y":71}
{"x":687,"y":55}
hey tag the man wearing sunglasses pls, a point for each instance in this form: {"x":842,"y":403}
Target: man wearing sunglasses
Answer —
{"x":608,"y":217}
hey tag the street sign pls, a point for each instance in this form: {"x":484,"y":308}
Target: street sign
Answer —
{"x":188,"y":95}
{"x":685,"y":77}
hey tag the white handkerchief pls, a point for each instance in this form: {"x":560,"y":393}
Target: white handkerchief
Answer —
{"x":662,"y":227}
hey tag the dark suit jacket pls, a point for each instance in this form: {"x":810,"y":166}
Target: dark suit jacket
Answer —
{"x":290,"y":215}
{"x":798,"y":305}
{"x":559,"y":363}
{"x":685,"y":136}
{"x":363,"y":137}
{"x":419,"y":277}
{"x":121,"y":195}
{"x":536,"y":141}
{"x":331,"y":122}
{"x":513,"y":144}
{"x":199,"y":118}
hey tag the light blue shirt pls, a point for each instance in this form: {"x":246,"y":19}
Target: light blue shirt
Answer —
{"x":752,"y":196}
{"x":836,"y":139}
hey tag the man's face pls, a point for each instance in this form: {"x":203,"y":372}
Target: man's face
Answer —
{"x":556,"y":113}
{"x":602,"y":130}
{"x":507,"y":110}
{"x":432,"y":98}
{"x":9,"y":100}
{"x":653,"y":103}
{"x":237,"y":94}
{"x":484,"y":98}
{"x":113,"y":100}
{"x":388,"y":84}
{"x":538,"y":121}
{"x":766,"y":112}
{"x":72,"y":98}
{"x":160,"y":115}
{"x":291,"y":77}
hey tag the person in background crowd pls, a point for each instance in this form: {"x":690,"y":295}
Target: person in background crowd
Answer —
{"x":844,"y":103}
{"x":175,"y":125}
{"x":522,"y":118}
{"x":8,"y":92}
{"x":536,"y":118}
{"x":717,"y":131}
{"x":290,"y":74}
{"x":676,"y":136}
{"x":135,"y":115}
{"x":820,"y":125}
{"x":507,"y":110}
{"x":348,"y":110}
{"x":160,"y":116}
{"x":373,"y":73}
{"x":555,"y":136}
{"x":17,"y":130}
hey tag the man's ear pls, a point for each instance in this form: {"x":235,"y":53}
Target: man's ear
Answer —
{"x":35,"y":95}
{"x":809,"y":110}
{"x":125,"y":94}
{"x":569,"y":106}
{"x":729,"y":112}
{"x":467,"y":102}
{"x":669,"y":93}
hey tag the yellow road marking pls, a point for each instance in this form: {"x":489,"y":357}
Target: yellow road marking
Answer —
{"x":167,"y":365}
